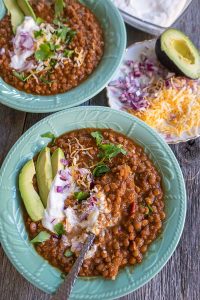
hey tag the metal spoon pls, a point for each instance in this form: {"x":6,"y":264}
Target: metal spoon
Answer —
{"x":65,"y":289}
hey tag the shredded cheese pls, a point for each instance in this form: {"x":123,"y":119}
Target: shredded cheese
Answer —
{"x":173,"y":110}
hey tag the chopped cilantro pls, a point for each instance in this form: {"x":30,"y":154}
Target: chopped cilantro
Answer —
{"x":111,"y":150}
{"x":80,"y":196}
{"x":68,"y":53}
{"x":70,"y":36}
{"x":41,"y":237}
{"x":44,"y":80}
{"x":49,"y":135}
{"x":44,"y":52}
{"x":68,"y":253}
{"x":20,"y":76}
{"x":98,"y":136}
{"x":59,"y":7}
{"x":38,"y":33}
{"x":100,"y":170}
{"x":150,"y":208}
{"x":59,"y":228}
{"x":39,"y":21}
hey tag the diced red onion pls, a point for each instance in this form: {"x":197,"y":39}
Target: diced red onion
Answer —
{"x":59,"y":189}
{"x":2,"y":51}
{"x":64,"y":162}
{"x":133,"y":86}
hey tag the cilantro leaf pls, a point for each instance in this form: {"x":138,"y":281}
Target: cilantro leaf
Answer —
{"x":80,"y":196}
{"x":49,"y":135}
{"x":100,"y":170}
{"x":38,"y":33}
{"x":59,"y":228}
{"x":70,"y":36}
{"x":98,"y":136}
{"x":41,"y":237}
{"x":44,"y":80}
{"x":39,"y":21}
{"x":68,"y":53}
{"x":111,"y":150}
{"x":150,"y":209}
{"x":44,"y":52}
{"x":68,"y":253}
{"x":59,"y":7}
{"x":20,"y":76}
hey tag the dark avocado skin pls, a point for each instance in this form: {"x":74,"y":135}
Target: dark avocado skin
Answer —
{"x":165,"y":60}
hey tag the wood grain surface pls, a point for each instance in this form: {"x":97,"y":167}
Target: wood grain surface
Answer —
{"x":180,"y":278}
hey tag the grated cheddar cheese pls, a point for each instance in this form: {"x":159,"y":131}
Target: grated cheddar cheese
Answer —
{"x":173,"y":109}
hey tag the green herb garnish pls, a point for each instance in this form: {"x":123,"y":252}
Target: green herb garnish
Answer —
{"x":68,"y":53}
{"x":21,"y":76}
{"x":59,"y":228}
{"x":44,"y":52}
{"x":49,"y":135}
{"x":100,"y":170}
{"x":150,"y":208}
{"x":111,"y":150}
{"x":68,"y":253}
{"x":44,"y":80}
{"x":41,"y":237}
{"x":98,"y":136}
{"x":39,"y":21}
{"x":38,"y":33}
{"x":80,"y":196}
{"x":62,"y":276}
{"x":59,"y":7}
{"x":107,"y":151}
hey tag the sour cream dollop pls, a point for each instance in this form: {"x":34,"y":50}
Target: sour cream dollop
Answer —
{"x":159,"y":12}
{"x":23,"y":45}
{"x":54,"y":213}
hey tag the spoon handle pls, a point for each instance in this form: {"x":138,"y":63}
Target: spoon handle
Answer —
{"x":65,"y":289}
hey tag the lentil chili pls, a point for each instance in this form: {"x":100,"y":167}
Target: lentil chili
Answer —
{"x":134,"y":198}
{"x":87,"y":41}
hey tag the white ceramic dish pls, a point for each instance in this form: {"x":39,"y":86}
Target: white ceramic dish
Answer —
{"x":133,"y":53}
{"x":150,"y":27}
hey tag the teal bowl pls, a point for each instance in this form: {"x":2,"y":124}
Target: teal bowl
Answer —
{"x":115,"y":44}
{"x":13,"y":235}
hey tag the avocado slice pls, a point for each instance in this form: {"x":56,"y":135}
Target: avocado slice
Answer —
{"x":56,"y":158}
{"x":26,"y":8}
{"x":31,"y":199}
{"x":44,"y":174}
{"x":177,"y":53}
{"x":17,"y":16}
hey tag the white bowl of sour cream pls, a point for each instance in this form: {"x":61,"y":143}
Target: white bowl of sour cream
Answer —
{"x":152,"y":16}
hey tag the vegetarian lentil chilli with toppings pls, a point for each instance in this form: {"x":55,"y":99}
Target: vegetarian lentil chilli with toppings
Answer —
{"x":92,"y":180}
{"x":53,"y":49}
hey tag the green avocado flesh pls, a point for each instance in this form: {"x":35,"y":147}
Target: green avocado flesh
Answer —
{"x":17,"y":16}
{"x":26,"y":8}
{"x":31,"y":199}
{"x":44,"y":174}
{"x":56,"y":158}
{"x":177,"y":53}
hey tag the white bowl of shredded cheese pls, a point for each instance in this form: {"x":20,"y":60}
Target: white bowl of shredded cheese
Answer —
{"x":168,"y":103}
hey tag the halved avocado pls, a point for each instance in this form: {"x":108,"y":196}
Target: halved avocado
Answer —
{"x":26,"y":8}
{"x":56,"y":158}
{"x":44,"y":174}
{"x":177,"y":53}
{"x":31,"y":199}
{"x":17,"y":16}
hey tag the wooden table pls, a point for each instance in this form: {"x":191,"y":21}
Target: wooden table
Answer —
{"x":180,"y":278}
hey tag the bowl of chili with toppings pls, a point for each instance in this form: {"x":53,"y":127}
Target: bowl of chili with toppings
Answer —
{"x":91,"y":169}
{"x":57,"y":54}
